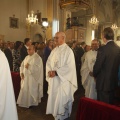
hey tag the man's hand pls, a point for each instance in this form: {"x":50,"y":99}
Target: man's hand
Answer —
{"x":91,"y":74}
{"x":27,"y":65}
{"x":51,"y":74}
{"x":22,"y":76}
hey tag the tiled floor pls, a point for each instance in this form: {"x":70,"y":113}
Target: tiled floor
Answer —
{"x":38,"y":113}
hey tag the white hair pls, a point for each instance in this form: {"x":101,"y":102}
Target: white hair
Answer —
{"x":62,"y":34}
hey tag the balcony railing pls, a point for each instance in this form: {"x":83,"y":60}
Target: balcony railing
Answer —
{"x":82,"y":4}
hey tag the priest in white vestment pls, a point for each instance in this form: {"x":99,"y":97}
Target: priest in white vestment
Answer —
{"x":88,"y":80}
{"x":61,"y":78}
{"x":8,"y":109}
{"x":31,"y":72}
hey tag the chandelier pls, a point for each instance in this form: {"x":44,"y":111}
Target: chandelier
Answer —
{"x":93,"y":21}
{"x":32,"y":19}
{"x":114,"y":26}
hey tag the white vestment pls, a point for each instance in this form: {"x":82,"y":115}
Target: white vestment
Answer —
{"x":62,"y":87}
{"x":88,"y":82}
{"x":7,"y":99}
{"x":32,"y":84}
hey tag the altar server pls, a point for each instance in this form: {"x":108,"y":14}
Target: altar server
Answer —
{"x":31,"y":72}
{"x":88,"y":81}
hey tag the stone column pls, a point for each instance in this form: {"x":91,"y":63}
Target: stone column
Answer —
{"x":28,"y":29}
{"x":50,"y":19}
{"x":117,"y":34}
{"x":28,"y":26}
{"x":88,"y":30}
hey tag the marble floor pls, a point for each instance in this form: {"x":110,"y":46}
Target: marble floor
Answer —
{"x":38,"y":113}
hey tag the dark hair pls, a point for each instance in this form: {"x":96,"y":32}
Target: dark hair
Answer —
{"x":42,"y":43}
{"x":82,"y":43}
{"x":73,"y":42}
{"x":26,"y":40}
{"x":48,"y":42}
{"x":108,"y":33}
{"x":33,"y":43}
{"x":17,"y":45}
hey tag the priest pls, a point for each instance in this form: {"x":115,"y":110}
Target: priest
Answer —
{"x":31,"y":72}
{"x":88,"y":81}
{"x":7,"y":99}
{"x":61,"y":77}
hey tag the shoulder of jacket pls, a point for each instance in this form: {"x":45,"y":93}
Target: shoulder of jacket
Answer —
{"x":101,"y":48}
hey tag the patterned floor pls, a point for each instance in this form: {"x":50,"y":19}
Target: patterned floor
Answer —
{"x":38,"y":113}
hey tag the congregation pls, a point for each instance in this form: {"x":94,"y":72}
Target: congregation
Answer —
{"x":62,"y":68}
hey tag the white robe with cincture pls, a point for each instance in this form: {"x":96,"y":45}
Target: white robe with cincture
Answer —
{"x":62,"y":87}
{"x":32,"y":84}
{"x":7,"y":99}
{"x":88,"y":82}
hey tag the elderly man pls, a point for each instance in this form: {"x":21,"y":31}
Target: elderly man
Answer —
{"x":61,"y":77}
{"x":31,"y":72}
{"x":7,"y":100}
{"x":88,"y":80}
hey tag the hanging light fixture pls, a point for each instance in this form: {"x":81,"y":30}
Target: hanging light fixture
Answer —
{"x":94,"y":21}
{"x":114,"y":26}
{"x":44,"y":22}
{"x":32,"y":19}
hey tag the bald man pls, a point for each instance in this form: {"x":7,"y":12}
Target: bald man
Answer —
{"x":88,"y":80}
{"x":7,"y":99}
{"x":61,"y":78}
{"x":31,"y":72}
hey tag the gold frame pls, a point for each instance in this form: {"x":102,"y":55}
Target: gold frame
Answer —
{"x":13,"y":22}
{"x":118,"y":38}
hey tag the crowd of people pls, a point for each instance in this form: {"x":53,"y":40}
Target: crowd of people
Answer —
{"x":100,"y":70}
{"x":17,"y":51}
{"x":67,"y":67}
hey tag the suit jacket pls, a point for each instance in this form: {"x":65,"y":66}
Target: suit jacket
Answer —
{"x":23,"y":53}
{"x":79,"y":53}
{"x":106,"y":67}
{"x":8,"y":54}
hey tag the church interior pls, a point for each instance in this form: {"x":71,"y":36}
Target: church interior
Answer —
{"x":39,"y":20}
{"x":57,"y":13}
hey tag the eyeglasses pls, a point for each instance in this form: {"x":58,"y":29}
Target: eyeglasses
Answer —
{"x":56,"y":38}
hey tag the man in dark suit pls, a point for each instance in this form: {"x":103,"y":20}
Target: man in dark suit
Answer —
{"x":79,"y":53}
{"x":8,"y":54}
{"x":106,"y":68}
{"x":23,"y":51}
